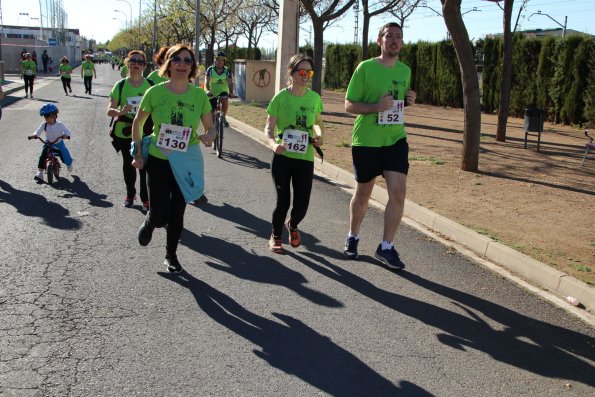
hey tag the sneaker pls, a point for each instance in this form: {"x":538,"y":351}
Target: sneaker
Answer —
{"x":146,"y":206}
{"x":128,"y":201}
{"x":225,"y":123}
{"x":172,"y":263}
{"x":39,"y":176}
{"x":201,"y":200}
{"x":351,"y":248}
{"x":275,"y":244}
{"x":69,"y":168}
{"x":70,"y":89}
{"x":31,"y":95}
{"x":145,"y":232}
{"x":390,"y":258}
{"x":26,"y":95}
{"x":294,"y":235}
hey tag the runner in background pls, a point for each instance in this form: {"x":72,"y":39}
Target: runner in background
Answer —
{"x":88,"y":73}
{"x":124,"y":102}
{"x":65,"y":71}
{"x":28,"y":72}
{"x":158,"y":60}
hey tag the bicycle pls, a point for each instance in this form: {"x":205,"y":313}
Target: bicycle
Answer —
{"x":218,"y":117}
{"x":52,"y":164}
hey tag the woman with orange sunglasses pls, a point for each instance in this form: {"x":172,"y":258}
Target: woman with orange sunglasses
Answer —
{"x":294,"y":127}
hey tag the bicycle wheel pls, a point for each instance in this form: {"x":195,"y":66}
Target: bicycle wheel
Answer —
{"x":50,"y":171}
{"x":219,"y":139}
{"x":57,"y":170}
{"x":215,"y":120}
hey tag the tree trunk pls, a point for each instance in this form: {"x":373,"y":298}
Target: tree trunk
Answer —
{"x":365,"y":32}
{"x":472,"y":128}
{"x":318,"y":48}
{"x":506,"y":74}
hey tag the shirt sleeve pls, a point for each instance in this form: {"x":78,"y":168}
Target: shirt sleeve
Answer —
{"x":66,"y":131}
{"x":39,"y":130}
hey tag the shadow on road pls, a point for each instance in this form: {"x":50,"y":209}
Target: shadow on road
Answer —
{"x":520,"y":341}
{"x":295,"y":348}
{"x":36,"y":205}
{"x":80,"y":189}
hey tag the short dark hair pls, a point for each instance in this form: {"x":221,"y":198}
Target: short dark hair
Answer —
{"x":388,"y":25}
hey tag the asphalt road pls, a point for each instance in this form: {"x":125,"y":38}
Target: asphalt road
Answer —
{"x":86,"y":311}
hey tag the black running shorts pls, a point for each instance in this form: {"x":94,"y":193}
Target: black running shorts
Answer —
{"x":369,"y":162}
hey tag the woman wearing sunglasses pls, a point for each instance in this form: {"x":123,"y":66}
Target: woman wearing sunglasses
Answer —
{"x":125,"y":98}
{"x":173,"y":160}
{"x":294,"y":127}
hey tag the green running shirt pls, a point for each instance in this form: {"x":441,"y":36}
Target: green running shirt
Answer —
{"x":370,"y":81}
{"x":177,"y":109}
{"x":298,"y":113}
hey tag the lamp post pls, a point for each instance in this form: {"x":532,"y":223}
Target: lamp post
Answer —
{"x":139,"y":11}
{"x":559,"y":24}
{"x":125,"y":16}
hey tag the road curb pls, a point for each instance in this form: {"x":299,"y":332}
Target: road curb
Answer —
{"x":529,"y":269}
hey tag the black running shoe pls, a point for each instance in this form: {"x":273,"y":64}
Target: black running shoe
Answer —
{"x":172,"y":264}
{"x":145,"y":232}
{"x":390,"y":258}
{"x":351,"y":248}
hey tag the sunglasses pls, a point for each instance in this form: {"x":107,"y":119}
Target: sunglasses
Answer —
{"x":137,"y":61}
{"x":178,"y":59}
{"x":305,"y":72}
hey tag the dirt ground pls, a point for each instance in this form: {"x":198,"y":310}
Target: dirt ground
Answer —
{"x":539,"y":203}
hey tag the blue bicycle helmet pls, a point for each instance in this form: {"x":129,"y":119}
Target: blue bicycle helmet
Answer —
{"x":48,"y":108}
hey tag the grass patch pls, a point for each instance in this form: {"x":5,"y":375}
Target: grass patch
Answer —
{"x":583,"y":268}
{"x":519,"y":246}
{"x":485,"y":232}
{"x":433,"y":160}
{"x":343,"y":144}
{"x":592,"y":243}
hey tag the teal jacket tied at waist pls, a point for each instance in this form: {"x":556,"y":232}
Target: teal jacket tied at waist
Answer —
{"x":188,"y":168}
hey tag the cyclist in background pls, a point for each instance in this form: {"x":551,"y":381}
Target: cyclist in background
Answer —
{"x":218,"y":80}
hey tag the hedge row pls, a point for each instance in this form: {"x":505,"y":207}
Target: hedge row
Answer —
{"x":556,"y":74}
{"x":434,"y":67}
{"x":551,"y":74}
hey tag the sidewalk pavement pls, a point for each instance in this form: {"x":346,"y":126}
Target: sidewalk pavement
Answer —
{"x":508,"y":262}
{"x":522,"y":269}
{"x":14,"y":82}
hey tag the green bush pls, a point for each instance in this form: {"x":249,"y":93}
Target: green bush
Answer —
{"x":425,"y":77}
{"x":448,"y":76}
{"x":573,"y":107}
{"x":524,"y":74}
{"x":545,"y":74}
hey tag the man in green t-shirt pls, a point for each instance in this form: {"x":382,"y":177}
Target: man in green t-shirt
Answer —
{"x":88,"y":73}
{"x":378,"y":92}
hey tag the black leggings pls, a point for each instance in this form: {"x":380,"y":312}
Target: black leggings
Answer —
{"x":88,"y":80}
{"x":66,"y":84}
{"x":167,"y":202}
{"x":130,"y":172}
{"x":29,"y":83}
{"x":289,"y":172}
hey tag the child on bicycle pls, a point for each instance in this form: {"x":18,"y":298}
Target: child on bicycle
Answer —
{"x":53,"y":130}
